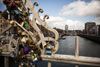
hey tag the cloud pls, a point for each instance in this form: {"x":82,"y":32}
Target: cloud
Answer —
{"x":97,"y":20}
{"x":60,"y":22}
{"x":81,"y":8}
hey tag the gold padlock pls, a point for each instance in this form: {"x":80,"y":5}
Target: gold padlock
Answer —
{"x":19,"y":31}
{"x":22,"y":24}
{"x":29,"y":40}
{"x":23,"y":33}
{"x":15,"y":25}
{"x":31,"y":45}
{"x":23,"y":40}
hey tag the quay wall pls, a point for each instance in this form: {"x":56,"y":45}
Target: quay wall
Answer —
{"x":91,"y":37}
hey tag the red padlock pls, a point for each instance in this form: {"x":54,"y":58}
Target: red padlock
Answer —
{"x":14,"y":4}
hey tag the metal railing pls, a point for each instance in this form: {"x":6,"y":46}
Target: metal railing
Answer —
{"x":83,"y":60}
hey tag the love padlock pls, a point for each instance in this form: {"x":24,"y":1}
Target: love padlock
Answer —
{"x":14,"y":4}
{"x":48,"y":50}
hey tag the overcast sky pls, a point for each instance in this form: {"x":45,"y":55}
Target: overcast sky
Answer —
{"x":73,"y":13}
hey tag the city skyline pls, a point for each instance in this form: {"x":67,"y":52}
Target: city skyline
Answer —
{"x":74,"y":13}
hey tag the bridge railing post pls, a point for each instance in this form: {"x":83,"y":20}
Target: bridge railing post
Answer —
{"x":6,"y":63}
{"x":49,"y":64}
{"x":76,"y":49}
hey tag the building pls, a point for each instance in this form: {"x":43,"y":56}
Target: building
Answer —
{"x":78,"y":31}
{"x":66,"y":28}
{"x":60,"y":31}
{"x":90,"y":28}
{"x":98,"y":30}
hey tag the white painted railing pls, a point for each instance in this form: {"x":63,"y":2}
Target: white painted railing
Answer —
{"x":83,"y":60}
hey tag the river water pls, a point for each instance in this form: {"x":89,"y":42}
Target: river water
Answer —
{"x":67,"y":46}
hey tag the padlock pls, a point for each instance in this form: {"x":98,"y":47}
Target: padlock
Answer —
{"x":23,"y":40}
{"x":19,"y":31}
{"x":5,"y":42}
{"x":0,"y":49}
{"x":22,"y":64}
{"x":31,"y":45}
{"x":15,"y":25}
{"x":26,"y":25}
{"x":48,"y":50}
{"x":18,"y":2}
{"x":35,"y":60}
{"x":33,"y":57}
{"x":29,"y":40}
{"x":12,"y":17}
{"x":14,"y":53}
{"x":12,"y":22}
{"x":23,"y":33}
{"x":14,"y":4}
{"x":26,"y":50}
{"x":17,"y":12}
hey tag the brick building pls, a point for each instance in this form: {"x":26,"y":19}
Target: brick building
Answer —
{"x":90,"y":28}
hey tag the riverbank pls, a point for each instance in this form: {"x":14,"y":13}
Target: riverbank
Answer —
{"x":91,"y":37}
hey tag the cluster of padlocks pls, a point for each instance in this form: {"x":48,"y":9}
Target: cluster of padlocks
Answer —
{"x":22,"y":38}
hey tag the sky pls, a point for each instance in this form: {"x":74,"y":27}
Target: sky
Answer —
{"x":74,"y":13}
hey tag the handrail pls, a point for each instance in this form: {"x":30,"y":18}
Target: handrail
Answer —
{"x":93,"y":61}
{"x":83,"y":60}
